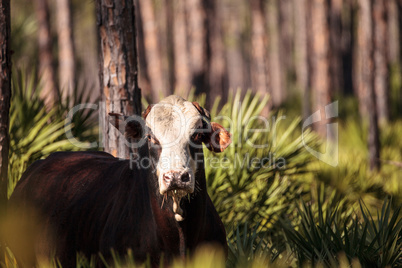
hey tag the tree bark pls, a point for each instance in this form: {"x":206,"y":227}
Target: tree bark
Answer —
{"x":181,"y":64}
{"x":217,"y":64}
{"x":233,"y":55}
{"x":118,"y":68}
{"x":259,"y":70}
{"x":5,"y":95}
{"x":393,"y":31}
{"x":49,"y":92}
{"x":67,"y":79}
{"x":360,"y":53}
{"x":152,"y":51}
{"x":301,"y":62}
{"x":196,"y":31}
{"x":319,"y":60}
{"x":366,"y":83}
{"x":335,"y":17}
{"x":143,"y":77}
{"x":169,"y":58}
{"x":348,"y":45}
{"x":380,"y":60}
{"x":276,"y":75}
{"x":286,"y":38}
{"x":258,"y":42}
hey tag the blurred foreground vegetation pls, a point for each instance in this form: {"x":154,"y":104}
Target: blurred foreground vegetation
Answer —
{"x":293,"y":211}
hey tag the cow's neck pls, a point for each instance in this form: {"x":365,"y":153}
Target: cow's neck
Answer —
{"x":183,"y":235}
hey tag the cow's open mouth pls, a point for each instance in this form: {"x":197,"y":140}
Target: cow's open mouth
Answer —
{"x":177,"y":192}
{"x":177,"y":195}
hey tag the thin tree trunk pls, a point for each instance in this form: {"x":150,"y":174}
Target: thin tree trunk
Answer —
{"x":394,"y":45}
{"x":152,"y":52}
{"x":118,"y":68}
{"x":320,"y":55}
{"x":196,"y":31}
{"x":286,"y":38}
{"x":217,"y":64}
{"x":301,"y":62}
{"x":394,"y":49}
{"x":258,"y":42}
{"x":232,"y":35}
{"x":169,"y":21}
{"x":348,"y":48}
{"x":400,"y":53}
{"x":335,"y":14}
{"x":380,"y":60}
{"x":143,"y":77}
{"x":5,"y":95}
{"x":365,"y":48}
{"x":360,"y":53}
{"x":275,"y":64}
{"x":162,"y":27}
{"x":67,"y":77}
{"x":49,"y":92}
{"x":181,"y":64}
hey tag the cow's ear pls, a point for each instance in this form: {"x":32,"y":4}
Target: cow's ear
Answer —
{"x":219,"y":139}
{"x":203,"y":112}
{"x":130,"y":127}
{"x":146,"y":112}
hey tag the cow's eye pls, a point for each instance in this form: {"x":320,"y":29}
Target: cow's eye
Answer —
{"x":196,"y":137}
{"x":152,"y":139}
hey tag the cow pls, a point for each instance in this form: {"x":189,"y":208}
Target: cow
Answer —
{"x":92,"y":202}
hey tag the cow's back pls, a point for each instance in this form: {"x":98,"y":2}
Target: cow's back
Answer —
{"x":86,"y":201}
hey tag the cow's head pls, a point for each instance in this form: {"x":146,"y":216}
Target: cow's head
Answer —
{"x":176,"y":130}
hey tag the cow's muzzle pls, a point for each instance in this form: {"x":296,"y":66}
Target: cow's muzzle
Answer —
{"x":177,"y":182}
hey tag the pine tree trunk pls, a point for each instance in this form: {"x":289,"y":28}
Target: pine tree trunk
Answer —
{"x":394,"y":45}
{"x":319,"y":60}
{"x":196,"y":32}
{"x":143,"y":77}
{"x":217,"y":64}
{"x":67,"y":77}
{"x":348,"y":40}
{"x":380,"y":60}
{"x":169,"y":58}
{"x":49,"y":92}
{"x":276,"y":75}
{"x":5,"y":95}
{"x":360,"y":53}
{"x":335,"y":14}
{"x":301,"y":62}
{"x":232,"y":34}
{"x":118,"y":68}
{"x":366,"y":84}
{"x":286,"y":38}
{"x":152,"y":53}
{"x":400,"y":51}
{"x":181,"y":64}
{"x":258,"y":42}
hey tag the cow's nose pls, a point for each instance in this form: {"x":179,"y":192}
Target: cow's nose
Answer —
{"x":168,"y":177}
{"x":176,"y":177}
{"x":185,"y":177}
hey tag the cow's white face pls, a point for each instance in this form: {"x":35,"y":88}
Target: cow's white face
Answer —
{"x":173,"y":122}
{"x":177,"y":130}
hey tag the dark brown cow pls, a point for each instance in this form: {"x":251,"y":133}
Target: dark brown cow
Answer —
{"x":91,"y":202}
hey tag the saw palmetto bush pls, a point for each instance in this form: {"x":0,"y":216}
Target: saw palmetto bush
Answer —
{"x":249,"y":246}
{"x":323,"y":235}
{"x":256,"y":178}
{"x":35,"y":132}
{"x":352,"y":177}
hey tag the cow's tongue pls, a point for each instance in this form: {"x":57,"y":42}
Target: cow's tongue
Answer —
{"x":178,"y":212}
